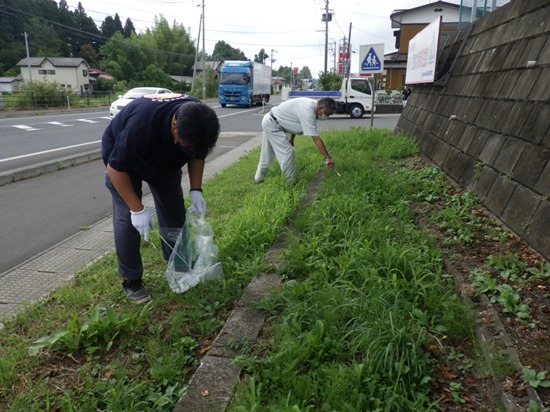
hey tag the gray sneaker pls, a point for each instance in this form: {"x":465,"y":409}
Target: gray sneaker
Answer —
{"x":135,"y":291}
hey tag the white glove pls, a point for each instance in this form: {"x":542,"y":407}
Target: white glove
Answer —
{"x":143,"y":222}
{"x":198,"y":205}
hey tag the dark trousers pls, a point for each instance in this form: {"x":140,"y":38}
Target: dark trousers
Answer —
{"x":170,"y":208}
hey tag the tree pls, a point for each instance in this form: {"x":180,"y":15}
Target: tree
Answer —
{"x":88,"y":53}
{"x":261,"y":56}
{"x":329,"y":81}
{"x":129,"y":28}
{"x":223,"y":51}
{"x":86,"y":31}
{"x":111,"y":25}
{"x":153,"y":75}
{"x":305,"y":73}
{"x":42,"y":38}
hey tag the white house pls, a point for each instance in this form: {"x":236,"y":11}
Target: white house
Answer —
{"x":69,"y":72}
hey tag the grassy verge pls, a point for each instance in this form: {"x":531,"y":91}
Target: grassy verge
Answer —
{"x":363,"y":297}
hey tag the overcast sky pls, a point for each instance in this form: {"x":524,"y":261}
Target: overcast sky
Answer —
{"x":293,"y":29}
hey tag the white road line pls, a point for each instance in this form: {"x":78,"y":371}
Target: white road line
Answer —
{"x":86,"y":121}
{"x":49,"y":151}
{"x":24,"y":127}
{"x":60,"y":124}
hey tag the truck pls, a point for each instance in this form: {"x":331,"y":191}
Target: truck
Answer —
{"x":244,"y":83}
{"x":354,"y":97}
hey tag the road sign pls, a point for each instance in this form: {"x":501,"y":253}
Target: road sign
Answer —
{"x":372,"y":58}
{"x":295,"y":70}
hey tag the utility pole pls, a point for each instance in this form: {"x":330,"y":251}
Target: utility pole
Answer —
{"x":28,"y":56}
{"x":196,"y":54}
{"x":203,"y":57}
{"x":271,"y":60}
{"x":327,"y":16}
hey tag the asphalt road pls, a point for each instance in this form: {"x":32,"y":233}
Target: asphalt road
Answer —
{"x":39,"y":212}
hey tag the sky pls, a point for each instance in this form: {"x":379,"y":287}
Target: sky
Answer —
{"x":291,"y":32}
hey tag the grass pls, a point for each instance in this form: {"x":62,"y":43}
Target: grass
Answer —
{"x":363,"y":295}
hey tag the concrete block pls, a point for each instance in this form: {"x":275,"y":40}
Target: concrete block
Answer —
{"x":538,"y":232}
{"x":520,"y":209}
{"x":458,"y":136}
{"x":499,"y":57}
{"x":536,"y":6}
{"x":469,"y":172}
{"x":527,"y":79}
{"x":478,"y":142}
{"x":541,"y":91}
{"x":508,"y":82}
{"x":544,"y":56}
{"x":485,"y":114}
{"x":469,"y":109}
{"x":492,"y":84}
{"x":543,"y":183}
{"x":508,"y":155}
{"x":534,"y":49}
{"x":513,"y":60}
{"x":536,"y":129}
{"x":454,"y":163}
{"x":516,"y":119}
{"x":492,"y":148}
{"x":539,"y":22}
{"x":499,"y":194}
{"x":212,"y":386}
{"x":530,"y":165}
{"x":439,"y":152}
{"x":500,"y":115}
{"x":466,"y":136}
{"x":484,"y":180}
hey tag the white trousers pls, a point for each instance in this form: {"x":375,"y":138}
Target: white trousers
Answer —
{"x":275,"y":144}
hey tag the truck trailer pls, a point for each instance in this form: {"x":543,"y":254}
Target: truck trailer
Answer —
{"x":354,"y":97}
{"x":244,"y":83}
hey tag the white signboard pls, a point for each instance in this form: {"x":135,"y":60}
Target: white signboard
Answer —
{"x":371,"y":59}
{"x":422,"y":58}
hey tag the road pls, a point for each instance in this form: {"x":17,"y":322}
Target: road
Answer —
{"x":39,"y":212}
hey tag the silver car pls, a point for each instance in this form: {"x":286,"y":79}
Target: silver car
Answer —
{"x":132,"y":94}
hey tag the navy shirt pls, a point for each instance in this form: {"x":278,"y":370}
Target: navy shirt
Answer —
{"x":139,"y":140}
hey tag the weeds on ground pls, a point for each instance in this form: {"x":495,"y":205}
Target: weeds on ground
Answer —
{"x":363,"y":295}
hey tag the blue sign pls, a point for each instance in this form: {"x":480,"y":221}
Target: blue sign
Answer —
{"x":371,"y":62}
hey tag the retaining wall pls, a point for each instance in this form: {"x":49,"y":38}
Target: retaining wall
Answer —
{"x":488,"y":127}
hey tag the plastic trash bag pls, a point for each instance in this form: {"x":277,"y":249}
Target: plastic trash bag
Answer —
{"x":194,"y":258}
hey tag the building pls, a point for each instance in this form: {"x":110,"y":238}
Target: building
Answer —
{"x":408,"y":24}
{"x":71,"y":73}
{"x":9,"y":84}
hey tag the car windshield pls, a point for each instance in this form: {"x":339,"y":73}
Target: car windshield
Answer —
{"x":135,"y":93}
{"x":234,"y":78}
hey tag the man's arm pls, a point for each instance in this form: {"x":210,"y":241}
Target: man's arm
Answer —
{"x":321,"y":147}
{"x":195,"y":168}
{"x":123,"y":185}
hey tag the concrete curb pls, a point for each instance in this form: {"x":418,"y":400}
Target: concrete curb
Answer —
{"x":47,"y":167}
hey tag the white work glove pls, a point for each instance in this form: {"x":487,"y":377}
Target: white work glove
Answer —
{"x":143,"y":222}
{"x":198,"y":205}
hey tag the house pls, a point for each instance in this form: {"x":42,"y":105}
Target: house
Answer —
{"x":71,"y":73}
{"x":409,"y":23}
{"x":9,"y":84}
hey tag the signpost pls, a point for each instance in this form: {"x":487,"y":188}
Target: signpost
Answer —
{"x":372,"y":62}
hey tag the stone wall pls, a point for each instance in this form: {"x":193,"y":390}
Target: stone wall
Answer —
{"x":488,"y":126}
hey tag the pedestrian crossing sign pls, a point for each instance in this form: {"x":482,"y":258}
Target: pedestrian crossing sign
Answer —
{"x":372,"y":58}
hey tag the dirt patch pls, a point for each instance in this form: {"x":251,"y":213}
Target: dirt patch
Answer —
{"x":491,"y":263}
